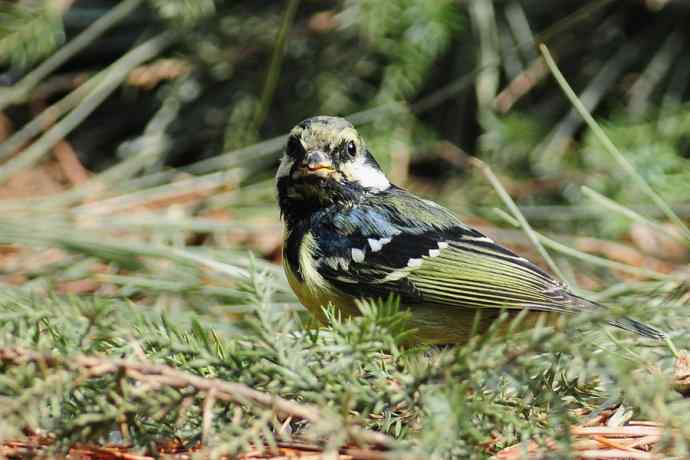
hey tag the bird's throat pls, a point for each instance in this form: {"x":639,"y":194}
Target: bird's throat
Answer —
{"x":299,"y":200}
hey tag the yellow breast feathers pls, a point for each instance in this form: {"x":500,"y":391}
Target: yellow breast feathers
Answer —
{"x":313,"y":291}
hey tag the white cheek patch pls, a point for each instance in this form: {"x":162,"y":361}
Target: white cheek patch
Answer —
{"x":285,"y":166}
{"x":377,"y":245}
{"x":365,"y":174}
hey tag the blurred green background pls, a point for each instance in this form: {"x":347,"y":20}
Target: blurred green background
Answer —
{"x":105,"y":99}
{"x":430,"y":82}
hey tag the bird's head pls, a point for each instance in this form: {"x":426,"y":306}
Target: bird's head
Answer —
{"x":325,"y":162}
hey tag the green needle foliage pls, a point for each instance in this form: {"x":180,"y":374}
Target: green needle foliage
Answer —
{"x":89,"y":370}
{"x":28,"y":34}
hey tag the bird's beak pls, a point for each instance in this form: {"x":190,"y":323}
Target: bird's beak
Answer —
{"x":317,"y":163}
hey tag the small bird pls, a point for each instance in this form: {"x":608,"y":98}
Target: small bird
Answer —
{"x":350,"y":234}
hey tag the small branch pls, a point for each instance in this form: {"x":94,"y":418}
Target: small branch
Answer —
{"x":207,"y":416}
{"x":122,"y":419}
{"x":69,"y":163}
{"x":159,"y":375}
{"x":521,"y":85}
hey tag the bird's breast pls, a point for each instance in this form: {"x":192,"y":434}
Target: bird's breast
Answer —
{"x":311,"y":288}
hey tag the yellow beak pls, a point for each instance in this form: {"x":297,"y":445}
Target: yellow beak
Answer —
{"x":317,"y":163}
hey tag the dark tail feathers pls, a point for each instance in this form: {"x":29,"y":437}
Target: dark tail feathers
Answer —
{"x":627,"y":324}
{"x":640,"y":328}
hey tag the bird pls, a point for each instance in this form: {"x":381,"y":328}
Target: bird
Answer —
{"x":350,"y":235}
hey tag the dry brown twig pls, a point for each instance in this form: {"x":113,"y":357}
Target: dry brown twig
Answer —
{"x":593,"y":439}
{"x":153,"y":376}
{"x":521,"y":85}
{"x":631,"y":441}
{"x":284,"y":450}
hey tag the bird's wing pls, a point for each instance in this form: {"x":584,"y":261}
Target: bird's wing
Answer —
{"x":418,"y":250}
{"x":421,"y":252}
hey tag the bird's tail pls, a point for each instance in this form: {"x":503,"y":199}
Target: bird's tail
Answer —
{"x":626,"y":323}
{"x":632,"y":325}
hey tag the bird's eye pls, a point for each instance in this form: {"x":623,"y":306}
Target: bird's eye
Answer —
{"x":351,"y":149}
{"x":294,"y":147}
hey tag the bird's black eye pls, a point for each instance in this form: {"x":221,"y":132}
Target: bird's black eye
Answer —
{"x":294,"y":147}
{"x":351,"y":149}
